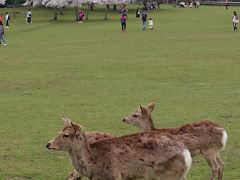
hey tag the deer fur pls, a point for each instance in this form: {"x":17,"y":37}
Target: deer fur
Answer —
{"x":202,"y":137}
{"x":92,"y":137}
{"x":150,"y":155}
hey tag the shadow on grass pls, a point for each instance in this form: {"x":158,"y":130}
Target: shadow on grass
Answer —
{"x":18,"y":178}
{"x":31,"y":28}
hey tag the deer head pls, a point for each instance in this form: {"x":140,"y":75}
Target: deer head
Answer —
{"x":66,"y":138}
{"x":141,"y":117}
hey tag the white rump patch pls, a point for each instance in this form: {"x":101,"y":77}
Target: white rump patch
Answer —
{"x":188,"y":160}
{"x":224,"y":138}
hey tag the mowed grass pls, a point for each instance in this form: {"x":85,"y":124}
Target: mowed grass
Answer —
{"x":95,"y":74}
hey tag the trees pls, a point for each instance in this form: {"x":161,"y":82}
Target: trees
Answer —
{"x":56,"y":4}
{"x":2,"y":2}
{"x":112,"y":2}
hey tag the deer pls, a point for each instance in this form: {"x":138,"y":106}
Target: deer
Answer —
{"x":149,"y":155}
{"x":92,"y":137}
{"x":202,"y":137}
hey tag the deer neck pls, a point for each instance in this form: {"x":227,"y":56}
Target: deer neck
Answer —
{"x":147,"y":125}
{"x":80,"y":156}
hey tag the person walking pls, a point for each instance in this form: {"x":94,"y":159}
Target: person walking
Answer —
{"x":138,"y":13}
{"x":150,"y":23}
{"x":144,"y":19}
{"x":81,"y":15}
{"x":197,"y":4}
{"x":29,"y":17}
{"x":235,"y":21}
{"x":7,"y":18}
{"x":226,"y":4}
{"x":123,"y":20}
{"x":2,"y":34}
{"x":1,"y":17}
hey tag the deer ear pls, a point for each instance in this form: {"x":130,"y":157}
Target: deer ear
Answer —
{"x":66,"y":121}
{"x":150,"y":107}
{"x":77,"y":128}
{"x":144,"y":111}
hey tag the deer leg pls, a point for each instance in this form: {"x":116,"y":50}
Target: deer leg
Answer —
{"x":183,"y":178}
{"x":74,"y":175}
{"x":211,"y":158}
{"x":171,"y":177}
{"x":221,"y":167}
{"x":177,"y":169}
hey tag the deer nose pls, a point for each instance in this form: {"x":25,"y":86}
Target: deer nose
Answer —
{"x":124,"y":120}
{"x":47,"y":146}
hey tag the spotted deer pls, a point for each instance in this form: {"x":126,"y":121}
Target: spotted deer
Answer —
{"x":149,"y":155}
{"x":202,"y":137}
{"x":92,"y":137}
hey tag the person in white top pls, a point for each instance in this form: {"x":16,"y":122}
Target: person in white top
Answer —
{"x":235,"y":21}
{"x":150,"y":23}
{"x":7,"y":18}
{"x":197,"y":4}
{"x":29,"y":17}
{"x":191,"y":4}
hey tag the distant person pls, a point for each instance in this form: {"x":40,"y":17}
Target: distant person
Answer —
{"x":235,"y":21}
{"x":123,"y":20}
{"x":197,"y":4}
{"x":158,"y":3}
{"x":2,"y":34}
{"x":7,"y":18}
{"x":144,"y":19}
{"x":138,"y":13}
{"x":194,"y":4}
{"x":150,"y":23}
{"x":81,"y":15}
{"x":1,"y":18}
{"x":29,"y":17}
{"x":190,"y":4}
{"x":182,"y":4}
{"x":92,"y":5}
{"x":124,"y":10}
{"x":226,"y":4}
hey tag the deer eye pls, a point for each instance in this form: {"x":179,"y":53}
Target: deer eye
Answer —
{"x":66,"y":135}
{"x":135,"y":115}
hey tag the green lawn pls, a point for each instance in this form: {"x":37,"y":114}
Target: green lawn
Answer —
{"x":95,"y":74}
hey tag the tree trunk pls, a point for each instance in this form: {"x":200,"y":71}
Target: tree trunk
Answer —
{"x":76,"y":12}
{"x":14,"y":13}
{"x":61,"y":11}
{"x":88,"y":7}
{"x":106,"y":12}
{"x":115,"y":7}
{"x":55,"y":14}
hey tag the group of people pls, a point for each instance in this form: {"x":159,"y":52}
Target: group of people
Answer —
{"x":143,"y":14}
{"x":144,"y":20}
{"x":7,"y":24}
{"x":151,"y":5}
{"x":191,"y":4}
{"x":123,"y":19}
{"x":7,"y":19}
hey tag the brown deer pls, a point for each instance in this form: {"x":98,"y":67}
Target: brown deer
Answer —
{"x":203,"y":137}
{"x":137,"y":156}
{"x":92,"y":137}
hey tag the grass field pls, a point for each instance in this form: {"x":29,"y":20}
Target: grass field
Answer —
{"x":96,"y":75}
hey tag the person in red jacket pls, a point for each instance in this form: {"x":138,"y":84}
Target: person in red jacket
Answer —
{"x":1,"y":18}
